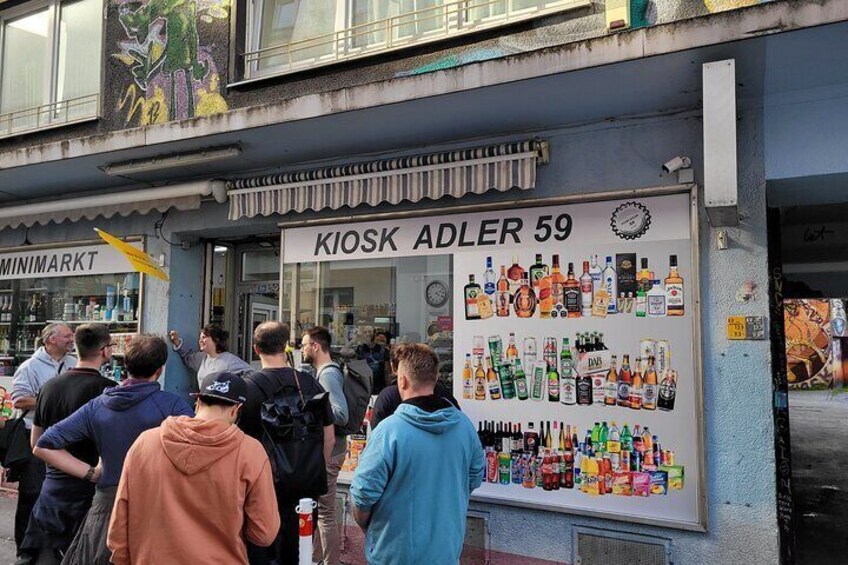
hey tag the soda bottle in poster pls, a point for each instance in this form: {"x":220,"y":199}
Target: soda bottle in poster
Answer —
{"x":467,"y":379}
{"x":668,"y":391}
{"x":595,"y":437}
{"x":491,"y":465}
{"x":546,"y":472}
{"x":531,"y":439}
{"x":472,"y":291}
{"x":578,"y":463}
{"x":520,"y":381}
{"x":650,"y":389}
{"x":555,"y":471}
{"x":502,"y":296}
{"x":527,"y":478}
{"x":504,"y":465}
{"x":493,"y":382}
{"x":603,"y":437}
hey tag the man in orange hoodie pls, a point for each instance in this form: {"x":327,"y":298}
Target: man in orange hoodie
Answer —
{"x":192,"y":490}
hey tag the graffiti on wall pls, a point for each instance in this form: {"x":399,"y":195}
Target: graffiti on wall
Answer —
{"x":173,"y":74}
{"x":812,"y":360}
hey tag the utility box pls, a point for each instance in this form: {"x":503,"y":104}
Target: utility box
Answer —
{"x":618,"y":15}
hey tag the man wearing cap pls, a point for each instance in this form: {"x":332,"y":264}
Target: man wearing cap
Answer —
{"x":202,"y":477}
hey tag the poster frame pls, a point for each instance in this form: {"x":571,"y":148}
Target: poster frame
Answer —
{"x":692,"y":190}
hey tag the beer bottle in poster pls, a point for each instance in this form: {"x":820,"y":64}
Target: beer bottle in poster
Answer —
{"x":610,"y":281}
{"x":511,"y":348}
{"x":553,"y":383}
{"x":546,"y":299}
{"x":524,"y":300}
{"x":472,"y":291}
{"x":530,"y":354}
{"x":514,"y":274}
{"x":479,"y":381}
{"x":467,"y":379}
{"x":571,"y":289}
{"x":624,"y":380}
{"x":502,"y":295}
{"x":636,"y":395}
{"x":562,"y":434}
{"x":649,"y":388}
{"x":584,"y":390}
{"x":611,"y":388}
{"x":489,"y":279}
{"x":531,"y":439}
{"x":568,"y":393}
{"x":492,"y":379}
{"x":674,"y":289}
{"x":557,"y":289}
{"x":549,"y":440}
{"x":520,"y":380}
{"x":587,"y":291}
{"x":537,"y":271}
{"x":668,"y":391}
{"x":507,"y":381}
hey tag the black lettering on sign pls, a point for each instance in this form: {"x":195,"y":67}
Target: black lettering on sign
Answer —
{"x":486,"y":230}
{"x":54,"y":264}
{"x":425,"y":238}
{"x":370,"y":243}
{"x":321,"y":242}
{"x":387,"y":238}
{"x":446,"y":235}
{"x":462,"y":241}
{"x":512,"y":226}
{"x":40,"y":264}
{"x":91,"y":256}
{"x":78,"y":266}
{"x":350,"y":242}
{"x":66,"y":262}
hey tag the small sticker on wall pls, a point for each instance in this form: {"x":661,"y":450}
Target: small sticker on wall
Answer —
{"x":631,"y":220}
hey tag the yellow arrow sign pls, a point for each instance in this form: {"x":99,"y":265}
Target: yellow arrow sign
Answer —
{"x":141,"y":261}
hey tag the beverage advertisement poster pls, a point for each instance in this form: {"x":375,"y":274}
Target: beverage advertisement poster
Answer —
{"x":575,"y":356}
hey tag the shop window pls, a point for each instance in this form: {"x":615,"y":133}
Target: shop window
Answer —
{"x":260,"y":265}
{"x":285,"y":36}
{"x":51,"y":60}
{"x":377,"y":301}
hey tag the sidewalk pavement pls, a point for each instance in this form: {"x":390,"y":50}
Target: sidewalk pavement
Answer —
{"x":7,"y":528}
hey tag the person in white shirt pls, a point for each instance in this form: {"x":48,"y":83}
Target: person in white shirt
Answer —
{"x":212,"y":356}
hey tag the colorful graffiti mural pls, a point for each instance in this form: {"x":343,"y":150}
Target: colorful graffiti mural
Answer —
{"x":173,"y":74}
{"x":814,"y":330}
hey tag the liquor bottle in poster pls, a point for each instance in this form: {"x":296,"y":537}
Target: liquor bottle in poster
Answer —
{"x":557,"y":289}
{"x":537,"y":271}
{"x":571,"y":289}
{"x":525,"y":300}
{"x":502,"y":295}
{"x":674,"y":289}
{"x":515,"y":274}
{"x":656,"y":300}
{"x":587,"y":291}
{"x":472,"y":292}
{"x":489,"y":279}
{"x":610,"y":279}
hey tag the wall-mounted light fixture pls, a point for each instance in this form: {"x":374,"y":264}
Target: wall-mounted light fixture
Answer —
{"x":172,"y":160}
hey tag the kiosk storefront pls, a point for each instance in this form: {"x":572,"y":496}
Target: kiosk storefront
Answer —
{"x":569,"y":329}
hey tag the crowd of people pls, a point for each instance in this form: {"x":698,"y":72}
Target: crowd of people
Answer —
{"x":127,"y":473}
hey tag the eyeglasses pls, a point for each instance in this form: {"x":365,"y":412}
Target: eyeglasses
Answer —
{"x":108,"y":345}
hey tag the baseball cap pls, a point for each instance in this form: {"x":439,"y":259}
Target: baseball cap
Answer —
{"x":224,"y":385}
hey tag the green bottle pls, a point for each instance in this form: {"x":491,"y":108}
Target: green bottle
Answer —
{"x":596,"y":436}
{"x":520,"y":381}
{"x":641,"y":303}
{"x":602,"y":437}
{"x":626,"y":439}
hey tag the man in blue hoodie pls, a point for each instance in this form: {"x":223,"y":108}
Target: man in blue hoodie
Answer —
{"x":112,"y":421}
{"x":411,"y":487}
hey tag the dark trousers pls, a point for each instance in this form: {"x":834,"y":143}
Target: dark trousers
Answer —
{"x":284,"y":550}
{"x":29,"y":487}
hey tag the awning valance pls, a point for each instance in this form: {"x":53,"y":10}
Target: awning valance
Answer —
{"x":455,"y":173}
{"x":141,"y":201}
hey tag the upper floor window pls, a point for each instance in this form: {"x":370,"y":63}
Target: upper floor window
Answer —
{"x":284,"y":36}
{"x":50,"y":60}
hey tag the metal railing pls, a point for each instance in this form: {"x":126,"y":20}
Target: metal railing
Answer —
{"x":50,"y":115}
{"x":411,"y":28}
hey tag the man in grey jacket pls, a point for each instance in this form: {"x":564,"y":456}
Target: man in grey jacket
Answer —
{"x":49,"y":360}
{"x":315,"y":348}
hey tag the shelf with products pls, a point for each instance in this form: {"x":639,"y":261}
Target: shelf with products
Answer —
{"x":104,"y":322}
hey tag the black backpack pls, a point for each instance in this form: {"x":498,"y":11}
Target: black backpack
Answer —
{"x":358,"y":383}
{"x":293,"y":438}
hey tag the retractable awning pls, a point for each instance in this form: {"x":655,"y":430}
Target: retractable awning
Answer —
{"x":454,"y":173}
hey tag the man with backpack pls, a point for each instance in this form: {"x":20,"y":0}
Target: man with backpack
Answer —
{"x":315,"y":348}
{"x":290,"y":413}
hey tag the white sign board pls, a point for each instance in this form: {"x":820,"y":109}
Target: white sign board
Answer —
{"x":63,"y":262}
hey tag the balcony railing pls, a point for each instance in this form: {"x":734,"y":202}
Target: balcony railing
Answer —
{"x":450,"y":19}
{"x":50,"y":115}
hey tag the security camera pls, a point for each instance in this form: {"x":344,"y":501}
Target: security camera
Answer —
{"x":676,"y":164}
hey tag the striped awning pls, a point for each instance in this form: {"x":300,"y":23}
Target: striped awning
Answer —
{"x":454,"y":173}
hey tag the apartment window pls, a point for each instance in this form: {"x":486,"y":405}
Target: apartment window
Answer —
{"x":285,"y":36}
{"x":50,"y":60}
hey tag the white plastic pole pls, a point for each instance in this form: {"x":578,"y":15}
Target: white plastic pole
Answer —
{"x":305,"y":527}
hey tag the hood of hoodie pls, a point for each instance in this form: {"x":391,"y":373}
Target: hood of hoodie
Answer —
{"x":120,"y":398}
{"x":194,"y":445}
{"x":43,"y":357}
{"x":433,"y":422}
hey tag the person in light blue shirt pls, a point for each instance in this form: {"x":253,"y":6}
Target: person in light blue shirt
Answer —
{"x":411,"y":488}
